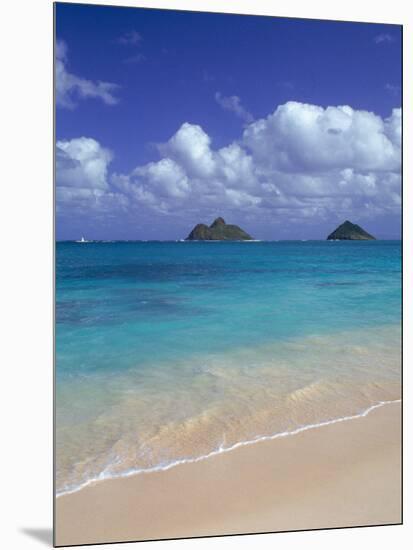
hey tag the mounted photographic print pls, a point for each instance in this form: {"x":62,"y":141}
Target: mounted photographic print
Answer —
{"x":228,"y":274}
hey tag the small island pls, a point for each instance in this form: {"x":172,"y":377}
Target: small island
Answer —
{"x":348,"y":231}
{"x":218,"y":231}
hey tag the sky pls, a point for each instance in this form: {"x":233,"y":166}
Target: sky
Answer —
{"x":165,"y":119}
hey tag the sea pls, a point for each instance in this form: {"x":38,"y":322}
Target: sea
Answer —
{"x":170,"y":352}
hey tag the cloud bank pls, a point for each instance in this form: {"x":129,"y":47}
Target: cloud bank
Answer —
{"x":301,"y":164}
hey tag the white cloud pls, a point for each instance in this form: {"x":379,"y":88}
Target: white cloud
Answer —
{"x":163,"y":179}
{"x":235,"y":167}
{"x":299,"y":137}
{"x":71,"y":88}
{"x":233,"y":104}
{"x":302,"y":162}
{"x":393,"y":129}
{"x":192,"y":175}
{"x":82,"y":163}
{"x":302,"y":159}
{"x":190,"y":146}
{"x":82,"y":186}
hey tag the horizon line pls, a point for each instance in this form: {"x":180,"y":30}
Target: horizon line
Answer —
{"x":219,"y":240}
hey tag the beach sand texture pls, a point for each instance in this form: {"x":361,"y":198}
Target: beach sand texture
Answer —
{"x":338,"y":475}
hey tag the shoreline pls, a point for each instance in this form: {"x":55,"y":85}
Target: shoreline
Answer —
{"x":336,"y":474}
{"x":221,"y":450}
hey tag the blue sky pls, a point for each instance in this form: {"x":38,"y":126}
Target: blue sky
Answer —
{"x":166,"y":118}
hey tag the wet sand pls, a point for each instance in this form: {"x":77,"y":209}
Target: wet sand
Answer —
{"x":343,"y":474}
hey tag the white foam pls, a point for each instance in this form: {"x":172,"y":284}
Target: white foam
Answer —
{"x":106,"y":474}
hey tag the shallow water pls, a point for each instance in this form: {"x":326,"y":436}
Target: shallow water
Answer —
{"x":169,"y":351}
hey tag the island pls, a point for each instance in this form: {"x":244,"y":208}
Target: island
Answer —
{"x":348,"y":231}
{"x":218,"y":231}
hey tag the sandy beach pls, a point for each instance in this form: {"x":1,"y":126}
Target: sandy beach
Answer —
{"x":342,"y":474}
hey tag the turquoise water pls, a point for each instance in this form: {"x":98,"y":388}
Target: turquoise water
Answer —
{"x":167,"y":351}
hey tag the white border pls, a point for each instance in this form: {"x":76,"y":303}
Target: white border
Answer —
{"x":26,"y":296}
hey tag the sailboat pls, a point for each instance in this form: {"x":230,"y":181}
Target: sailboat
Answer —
{"x":82,"y":240}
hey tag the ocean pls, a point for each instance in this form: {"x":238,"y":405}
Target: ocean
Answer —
{"x":168,"y":352}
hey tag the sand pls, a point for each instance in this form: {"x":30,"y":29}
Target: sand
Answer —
{"x":343,"y":474}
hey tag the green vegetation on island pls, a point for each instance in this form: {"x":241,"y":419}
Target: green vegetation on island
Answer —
{"x":348,"y":231}
{"x":218,"y":231}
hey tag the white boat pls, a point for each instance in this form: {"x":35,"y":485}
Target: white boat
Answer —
{"x":82,"y":240}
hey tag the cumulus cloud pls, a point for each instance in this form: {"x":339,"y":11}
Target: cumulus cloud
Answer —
{"x":82,"y":163}
{"x":190,"y":146}
{"x":71,"y":88}
{"x":300,"y":137}
{"x":193,"y":174}
{"x":233,"y":103}
{"x":82,"y":186}
{"x":301,"y":164}
{"x":393,"y":130}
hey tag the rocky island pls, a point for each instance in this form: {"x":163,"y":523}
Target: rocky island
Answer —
{"x":218,"y":231}
{"x":348,"y":231}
